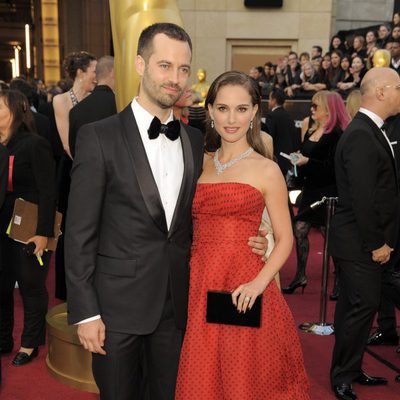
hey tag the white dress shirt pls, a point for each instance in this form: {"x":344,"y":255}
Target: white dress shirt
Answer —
{"x":166,"y":162}
{"x":378,"y":122}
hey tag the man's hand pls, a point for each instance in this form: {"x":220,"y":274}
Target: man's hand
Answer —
{"x":259,"y":244}
{"x":92,"y":335}
{"x":382,"y":255}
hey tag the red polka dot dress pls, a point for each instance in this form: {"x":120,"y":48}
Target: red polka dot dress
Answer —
{"x":225,"y":362}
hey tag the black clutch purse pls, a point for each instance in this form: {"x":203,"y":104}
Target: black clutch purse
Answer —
{"x":221,"y":310}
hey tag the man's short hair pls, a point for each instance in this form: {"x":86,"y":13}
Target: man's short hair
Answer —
{"x":173,"y":31}
{"x":319,"y":48}
{"x":391,"y":39}
{"x":278,"y":95}
{"x":104,"y":66}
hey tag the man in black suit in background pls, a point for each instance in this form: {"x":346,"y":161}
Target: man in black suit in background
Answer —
{"x":99,"y":105}
{"x":365,"y":227}
{"x":281,"y":127}
{"x":386,"y":334}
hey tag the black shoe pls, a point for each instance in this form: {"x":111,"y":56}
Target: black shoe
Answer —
{"x":302,"y":282}
{"x":335,"y":293}
{"x":6,"y":348}
{"x":334,"y":296}
{"x":22,"y":358}
{"x":380,"y":338}
{"x":344,"y":392}
{"x":367,"y":380}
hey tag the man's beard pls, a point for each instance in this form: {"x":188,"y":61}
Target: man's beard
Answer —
{"x":164,"y":101}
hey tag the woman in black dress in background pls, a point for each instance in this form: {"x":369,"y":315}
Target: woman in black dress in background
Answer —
{"x":316,"y":166}
{"x":32,"y":178}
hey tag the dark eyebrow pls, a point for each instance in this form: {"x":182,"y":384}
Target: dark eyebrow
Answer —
{"x":239,"y":105}
{"x":170,"y":63}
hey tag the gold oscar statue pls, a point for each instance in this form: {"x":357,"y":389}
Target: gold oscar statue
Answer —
{"x":202,"y":86}
{"x":128,"y":19}
{"x":381,"y":58}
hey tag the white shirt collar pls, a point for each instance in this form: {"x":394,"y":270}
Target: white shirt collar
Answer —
{"x":376,"y":118}
{"x":379,"y":122}
{"x":274,"y":108}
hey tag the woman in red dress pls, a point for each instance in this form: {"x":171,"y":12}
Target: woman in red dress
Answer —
{"x":227,"y":362}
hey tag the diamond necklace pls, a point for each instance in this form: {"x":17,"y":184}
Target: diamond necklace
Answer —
{"x":220,"y":168}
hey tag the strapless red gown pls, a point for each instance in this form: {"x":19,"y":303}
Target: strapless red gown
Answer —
{"x":224,"y":362}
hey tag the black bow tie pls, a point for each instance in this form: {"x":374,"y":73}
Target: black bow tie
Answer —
{"x":170,"y":130}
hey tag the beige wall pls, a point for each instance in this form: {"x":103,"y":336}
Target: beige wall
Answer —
{"x":223,"y":30}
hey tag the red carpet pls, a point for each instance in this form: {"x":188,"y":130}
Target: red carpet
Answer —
{"x":32,"y":382}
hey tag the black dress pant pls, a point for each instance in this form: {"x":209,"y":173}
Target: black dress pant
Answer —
{"x":360,"y":289}
{"x":119,"y":373}
{"x":386,"y":313}
{"x":31,"y":277}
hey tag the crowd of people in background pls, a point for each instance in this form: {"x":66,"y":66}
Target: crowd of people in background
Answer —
{"x":341,"y":68}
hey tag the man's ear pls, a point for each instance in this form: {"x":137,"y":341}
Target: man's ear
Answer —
{"x":379,"y":93}
{"x":140,"y":65}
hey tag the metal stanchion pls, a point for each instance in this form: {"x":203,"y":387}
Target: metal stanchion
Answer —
{"x":322,"y":327}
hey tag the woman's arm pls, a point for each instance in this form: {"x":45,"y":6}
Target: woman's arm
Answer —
{"x":276,"y":201}
{"x":61,"y":113}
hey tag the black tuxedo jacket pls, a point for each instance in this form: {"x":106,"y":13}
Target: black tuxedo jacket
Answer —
{"x":280,"y":125}
{"x":99,"y":105}
{"x":367,"y":214}
{"x":120,"y":256}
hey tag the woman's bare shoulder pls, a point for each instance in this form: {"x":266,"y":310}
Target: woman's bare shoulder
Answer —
{"x":265,"y":165}
{"x":61,"y":100}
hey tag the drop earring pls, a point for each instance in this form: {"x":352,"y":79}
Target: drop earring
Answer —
{"x":212,"y":124}
{"x":251,"y":125}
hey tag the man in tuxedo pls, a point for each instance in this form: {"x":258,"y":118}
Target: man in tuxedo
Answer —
{"x":280,"y":125}
{"x":386,"y":334}
{"x":129,"y":226}
{"x":365,"y":227}
{"x":100,"y":104}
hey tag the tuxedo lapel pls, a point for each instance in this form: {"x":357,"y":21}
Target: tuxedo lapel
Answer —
{"x":187,"y":182}
{"x":142,"y":169}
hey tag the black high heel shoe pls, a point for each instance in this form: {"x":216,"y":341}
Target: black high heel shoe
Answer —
{"x":294,"y":285}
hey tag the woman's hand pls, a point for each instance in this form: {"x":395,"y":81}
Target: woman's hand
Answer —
{"x":40,"y":243}
{"x":298,"y":159}
{"x":244,"y":296}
